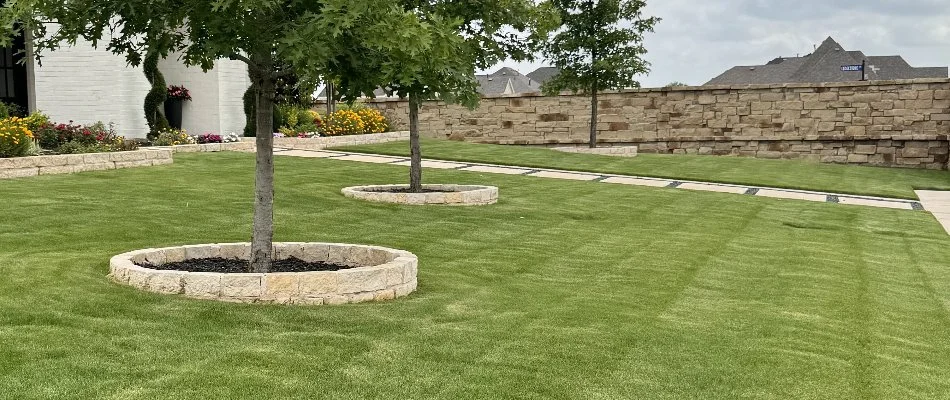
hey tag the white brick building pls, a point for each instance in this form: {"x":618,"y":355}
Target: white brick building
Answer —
{"x":85,"y":85}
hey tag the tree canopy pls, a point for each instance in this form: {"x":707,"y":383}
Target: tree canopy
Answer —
{"x":599,"y":46}
{"x":309,"y":38}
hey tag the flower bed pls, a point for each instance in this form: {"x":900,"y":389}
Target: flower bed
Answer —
{"x":373,"y":274}
{"x":300,"y":122}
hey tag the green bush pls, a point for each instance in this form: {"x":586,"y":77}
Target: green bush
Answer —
{"x":80,"y":148}
{"x":8,"y":110}
{"x":296,"y":119}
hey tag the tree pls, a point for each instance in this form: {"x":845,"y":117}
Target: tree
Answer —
{"x":308,"y":37}
{"x":676,"y":84}
{"x":467,"y":35}
{"x":599,"y":46}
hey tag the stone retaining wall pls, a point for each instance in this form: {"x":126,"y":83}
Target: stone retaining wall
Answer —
{"x":20,"y":167}
{"x":320,"y":143}
{"x":244,"y":146}
{"x":899,"y":118}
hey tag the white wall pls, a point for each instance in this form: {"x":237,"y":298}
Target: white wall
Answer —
{"x":87,"y":85}
{"x":233,"y":82}
{"x":216,"y":105}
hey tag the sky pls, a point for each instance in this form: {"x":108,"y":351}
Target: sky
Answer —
{"x":699,"y":39}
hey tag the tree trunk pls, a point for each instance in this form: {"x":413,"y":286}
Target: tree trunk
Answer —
{"x":593,"y":116}
{"x":262,"y":239}
{"x":415,"y":152}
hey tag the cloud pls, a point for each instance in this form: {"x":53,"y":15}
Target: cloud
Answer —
{"x":698,"y":40}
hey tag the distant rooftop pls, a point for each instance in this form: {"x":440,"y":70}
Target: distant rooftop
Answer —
{"x":503,"y":81}
{"x":543,"y":74}
{"x":506,"y":81}
{"x":824,"y":65}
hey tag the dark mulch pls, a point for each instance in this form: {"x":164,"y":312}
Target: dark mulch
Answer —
{"x":406,"y":190}
{"x":232,"y":266}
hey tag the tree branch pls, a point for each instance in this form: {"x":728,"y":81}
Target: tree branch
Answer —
{"x":238,"y":57}
{"x":280,"y":74}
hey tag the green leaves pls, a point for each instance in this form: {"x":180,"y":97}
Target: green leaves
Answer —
{"x":599,"y":45}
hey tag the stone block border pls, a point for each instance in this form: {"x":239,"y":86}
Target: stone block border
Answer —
{"x":21,"y":167}
{"x":384,"y":274}
{"x":244,"y":146}
{"x":444,"y":194}
{"x":619,"y":151}
{"x":320,"y":143}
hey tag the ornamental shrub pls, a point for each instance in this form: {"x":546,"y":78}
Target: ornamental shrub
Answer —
{"x":155,"y":97}
{"x":343,"y":122}
{"x":297,"y":120}
{"x":8,"y":110}
{"x":36,"y":121}
{"x":16,"y":139}
{"x":172,"y":137}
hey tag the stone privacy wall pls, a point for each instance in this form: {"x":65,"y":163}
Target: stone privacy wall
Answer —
{"x":21,"y":167}
{"x":888,"y":123}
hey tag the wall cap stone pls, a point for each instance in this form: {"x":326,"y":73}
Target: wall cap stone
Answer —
{"x":707,"y":88}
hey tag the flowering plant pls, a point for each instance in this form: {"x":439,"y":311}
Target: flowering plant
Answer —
{"x":72,"y":138}
{"x":208,"y":138}
{"x":173,"y":137}
{"x":16,"y":139}
{"x":373,"y":120}
{"x":343,"y":122}
{"x":231,"y":138}
{"x":179,"y":92}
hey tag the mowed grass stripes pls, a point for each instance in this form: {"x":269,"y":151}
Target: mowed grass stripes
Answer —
{"x":562,"y":290}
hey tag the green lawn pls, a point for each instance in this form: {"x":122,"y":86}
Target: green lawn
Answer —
{"x":563,"y":290}
{"x":790,"y":174}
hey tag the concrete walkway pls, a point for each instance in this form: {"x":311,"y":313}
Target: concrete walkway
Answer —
{"x":936,"y":202}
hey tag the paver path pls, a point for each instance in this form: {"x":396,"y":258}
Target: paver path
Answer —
{"x":936,"y":202}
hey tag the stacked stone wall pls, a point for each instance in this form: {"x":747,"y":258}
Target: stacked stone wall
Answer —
{"x":887,"y":123}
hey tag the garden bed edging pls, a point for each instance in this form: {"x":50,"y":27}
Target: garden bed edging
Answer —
{"x":21,"y":167}
{"x":445,"y":194}
{"x":383,"y":274}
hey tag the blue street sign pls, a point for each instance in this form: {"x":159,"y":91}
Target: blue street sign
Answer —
{"x":847,"y":68}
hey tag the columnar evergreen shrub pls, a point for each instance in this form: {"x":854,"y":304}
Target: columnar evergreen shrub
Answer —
{"x":155,"y":99}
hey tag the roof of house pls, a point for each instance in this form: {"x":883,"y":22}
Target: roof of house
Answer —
{"x":503,"y":81}
{"x":543,"y":74}
{"x":506,"y":81}
{"x":824,"y":65}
